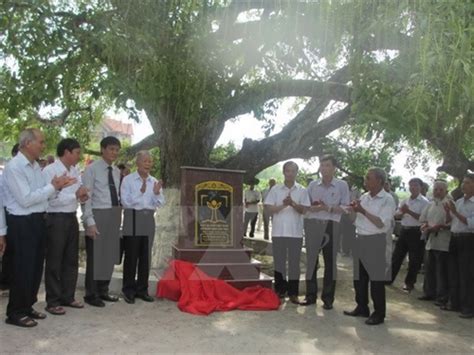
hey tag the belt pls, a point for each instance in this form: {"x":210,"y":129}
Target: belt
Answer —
{"x":411,"y":227}
{"x":371,"y":235}
{"x":61,"y":213}
{"x":467,"y":234}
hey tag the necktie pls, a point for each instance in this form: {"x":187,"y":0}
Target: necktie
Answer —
{"x":112,"y":188}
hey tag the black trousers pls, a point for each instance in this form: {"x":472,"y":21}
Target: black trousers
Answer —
{"x":347,"y":234}
{"x":287,"y":249}
{"x":27,"y":235}
{"x":315,"y":240}
{"x":461,"y":272}
{"x":252,"y":218}
{"x":370,"y":265}
{"x":408,"y":242}
{"x":435,"y":284}
{"x":266,"y":224}
{"x":62,"y":258}
{"x":6,"y":274}
{"x":94,"y":288}
{"x":137,"y":254}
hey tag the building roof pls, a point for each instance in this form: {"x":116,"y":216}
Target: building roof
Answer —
{"x":115,"y":126}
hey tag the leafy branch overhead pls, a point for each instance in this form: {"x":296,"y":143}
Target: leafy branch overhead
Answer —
{"x":393,"y":67}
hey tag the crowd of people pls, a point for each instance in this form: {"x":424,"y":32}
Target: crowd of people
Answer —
{"x":39,"y":226}
{"x":439,"y":232}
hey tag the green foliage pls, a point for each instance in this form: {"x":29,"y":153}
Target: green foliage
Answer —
{"x":222,"y":152}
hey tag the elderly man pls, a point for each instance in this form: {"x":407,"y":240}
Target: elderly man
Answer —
{"x":436,"y":224}
{"x":288,"y":203}
{"x":322,"y":230}
{"x":7,"y":272}
{"x":461,"y":250}
{"x":102,"y":217}
{"x":410,"y":236}
{"x":27,"y":193}
{"x":141,"y":195}
{"x":62,"y":250}
{"x":373,"y":218}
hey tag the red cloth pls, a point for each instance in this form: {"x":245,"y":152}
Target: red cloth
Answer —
{"x":198,"y":293}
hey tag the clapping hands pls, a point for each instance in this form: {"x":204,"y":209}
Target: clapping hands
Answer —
{"x":60,"y":182}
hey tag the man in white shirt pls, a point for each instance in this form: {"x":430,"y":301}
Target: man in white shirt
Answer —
{"x":62,"y":247}
{"x":102,"y":216}
{"x":328,"y":196}
{"x":27,"y":193}
{"x":141,"y":195}
{"x":373,"y":218}
{"x":7,"y":265}
{"x":410,"y":235}
{"x":461,"y":251}
{"x":288,"y":203}
{"x":266,"y":216}
{"x":436,"y":226}
{"x":251,"y":200}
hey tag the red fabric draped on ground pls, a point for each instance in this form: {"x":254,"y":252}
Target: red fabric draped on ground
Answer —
{"x":198,"y":293}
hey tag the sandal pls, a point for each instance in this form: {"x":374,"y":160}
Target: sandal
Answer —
{"x":57,"y":311}
{"x":36,"y":315}
{"x":24,"y":322}
{"x":73,"y":304}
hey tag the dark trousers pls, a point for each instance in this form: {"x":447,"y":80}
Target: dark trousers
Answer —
{"x":347,"y":234}
{"x":370,"y":264}
{"x":408,"y":242}
{"x":94,"y":288}
{"x":252,"y":218}
{"x":287,"y":249}
{"x":461,"y":272}
{"x":321,"y":235}
{"x":266,"y":224}
{"x":27,"y":235}
{"x":435,"y":284}
{"x":62,"y":254}
{"x":6,"y":274}
{"x":137,"y":254}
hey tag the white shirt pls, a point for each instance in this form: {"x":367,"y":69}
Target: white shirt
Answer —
{"x":288,"y":222}
{"x":416,"y":205}
{"x":251,"y":196}
{"x":3,"y":223}
{"x":27,"y":190}
{"x":65,"y":200}
{"x":96,"y":179}
{"x":433,"y":214}
{"x":335,"y":194}
{"x":382,"y":206}
{"x":465,"y":208}
{"x":133,"y":198}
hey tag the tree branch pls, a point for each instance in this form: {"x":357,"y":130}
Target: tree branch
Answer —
{"x":151,"y":141}
{"x":61,"y":118}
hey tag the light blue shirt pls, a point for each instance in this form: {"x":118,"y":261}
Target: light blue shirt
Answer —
{"x":133,"y":198}
{"x":96,"y":180}
{"x":26,"y":188}
{"x":335,"y":194}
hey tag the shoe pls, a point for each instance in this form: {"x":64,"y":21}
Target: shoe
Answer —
{"x":294,"y":299}
{"x":408,"y":288}
{"x":73,"y":304}
{"x":357,"y":312}
{"x":467,"y":315}
{"x":308,"y":301}
{"x":449,"y":308}
{"x":146,"y":298}
{"x":128,"y":299}
{"x":95,"y":302}
{"x":374,"y":320}
{"x":109,"y":298}
{"x":327,"y":305}
{"x":426,"y":298}
{"x":24,"y":322}
{"x":57,"y":311}
{"x":281,"y":294}
{"x":36,"y":315}
{"x":440,"y":304}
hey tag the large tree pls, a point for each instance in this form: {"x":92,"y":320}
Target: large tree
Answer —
{"x":193,"y":65}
